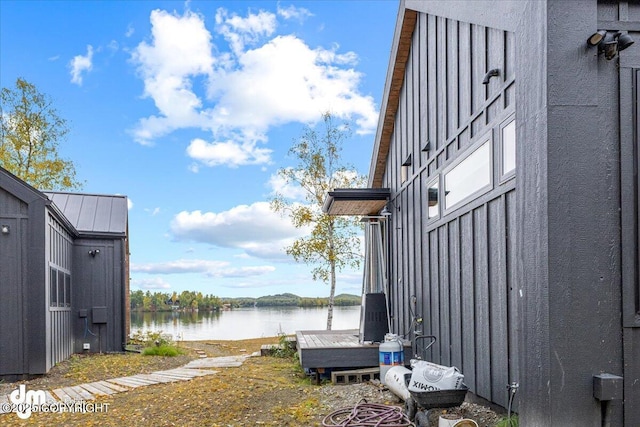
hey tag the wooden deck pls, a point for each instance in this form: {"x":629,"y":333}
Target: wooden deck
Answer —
{"x":319,"y":350}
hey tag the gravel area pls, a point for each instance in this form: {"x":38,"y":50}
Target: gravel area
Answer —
{"x":349,"y":395}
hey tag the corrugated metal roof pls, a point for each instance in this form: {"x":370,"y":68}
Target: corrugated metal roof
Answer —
{"x":92,"y":213}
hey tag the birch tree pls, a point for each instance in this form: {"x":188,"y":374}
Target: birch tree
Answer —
{"x":333,"y":242}
{"x":30,"y":133}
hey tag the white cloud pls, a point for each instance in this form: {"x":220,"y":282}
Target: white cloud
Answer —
{"x":129,"y":204}
{"x":153,"y":212}
{"x":179,"y":266}
{"x":113,"y":46}
{"x":240,"y":31}
{"x":255,"y":228}
{"x":292,"y":12}
{"x":286,"y":189}
{"x":80,"y":65}
{"x":243,"y":271}
{"x":257,"y":81}
{"x":285,"y":81}
{"x":220,"y":269}
{"x":179,"y":50}
{"x":229,"y":153}
{"x":130,"y":30}
{"x":150,"y":283}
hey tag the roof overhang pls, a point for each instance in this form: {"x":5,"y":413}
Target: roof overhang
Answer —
{"x":400,"y":49}
{"x":356,"y":201}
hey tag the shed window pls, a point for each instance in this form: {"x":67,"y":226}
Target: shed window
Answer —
{"x":67,"y":290}
{"x":53,"y":287}
{"x":59,"y":288}
{"x":468,"y":177}
{"x":509,"y":147}
{"x":61,"y":301}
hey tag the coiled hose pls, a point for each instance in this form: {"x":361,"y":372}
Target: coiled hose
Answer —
{"x":367,"y":414}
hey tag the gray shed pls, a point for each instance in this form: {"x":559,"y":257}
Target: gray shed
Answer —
{"x":510,"y":147}
{"x":63,"y":276}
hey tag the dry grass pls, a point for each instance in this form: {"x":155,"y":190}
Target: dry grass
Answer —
{"x":263,"y":391}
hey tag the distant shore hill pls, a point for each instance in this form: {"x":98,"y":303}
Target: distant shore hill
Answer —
{"x":291,"y":300}
{"x":196,"y":301}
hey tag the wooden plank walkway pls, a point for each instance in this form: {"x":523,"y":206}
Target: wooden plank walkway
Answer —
{"x":111,"y":386}
{"x":319,"y":350}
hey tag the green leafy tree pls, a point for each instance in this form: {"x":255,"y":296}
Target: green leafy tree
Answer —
{"x":333,"y":242}
{"x":30,"y":133}
{"x":136,"y":299}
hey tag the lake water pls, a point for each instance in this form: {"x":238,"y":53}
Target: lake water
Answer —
{"x":244,"y":323}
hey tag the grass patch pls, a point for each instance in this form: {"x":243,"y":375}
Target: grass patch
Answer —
{"x":155,"y":344}
{"x":162,"y":350}
{"x":508,"y":422}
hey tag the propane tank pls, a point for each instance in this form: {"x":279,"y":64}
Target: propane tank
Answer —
{"x":391,"y":353}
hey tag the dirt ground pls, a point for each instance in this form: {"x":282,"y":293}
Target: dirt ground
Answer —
{"x":264,"y":391}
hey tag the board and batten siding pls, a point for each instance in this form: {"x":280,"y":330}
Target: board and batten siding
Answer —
{"x":98,"y":282}
{"x":455,"y":271}
{"x":13,"y":256}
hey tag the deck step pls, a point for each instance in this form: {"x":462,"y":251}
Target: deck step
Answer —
{"x":270,"y":349}
{"x":289,"y":343}
{"x":355,"y":376}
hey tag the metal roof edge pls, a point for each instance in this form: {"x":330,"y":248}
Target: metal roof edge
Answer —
{"x":16,"y":186}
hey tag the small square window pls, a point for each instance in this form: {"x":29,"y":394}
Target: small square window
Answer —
{"x":404,"y":171}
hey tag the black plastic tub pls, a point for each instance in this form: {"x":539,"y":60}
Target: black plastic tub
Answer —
{"x":437,"y":398}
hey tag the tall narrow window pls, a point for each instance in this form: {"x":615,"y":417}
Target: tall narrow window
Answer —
{"x":61,"y":302}
{"x":509,"y":147}
{"x":67,"y":290}
{"x":469,"y":177}
{"x":433,"y":197}
{"x":53,"y":287}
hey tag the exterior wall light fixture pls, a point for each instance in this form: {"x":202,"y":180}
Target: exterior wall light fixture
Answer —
{"x":5,"y":229}
{"x":491,"y":73}
{"x":609,"y":43}
{"x":94,"y":252}
{"x":386,"y":211}
{"x":596,"y":37}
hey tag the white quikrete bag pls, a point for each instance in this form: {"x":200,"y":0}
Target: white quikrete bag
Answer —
{"x":427,"y":376}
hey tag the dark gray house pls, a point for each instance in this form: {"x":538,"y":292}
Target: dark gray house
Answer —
{"x":63,"y":276}
{"x":510,"y":148}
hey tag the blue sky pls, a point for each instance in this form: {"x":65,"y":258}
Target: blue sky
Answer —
{"x":189,"y":109}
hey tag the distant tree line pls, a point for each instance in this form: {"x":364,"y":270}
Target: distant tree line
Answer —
{"x":291,"y":300}
{"x":191,"y":301}
{"x":163,"y":301}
